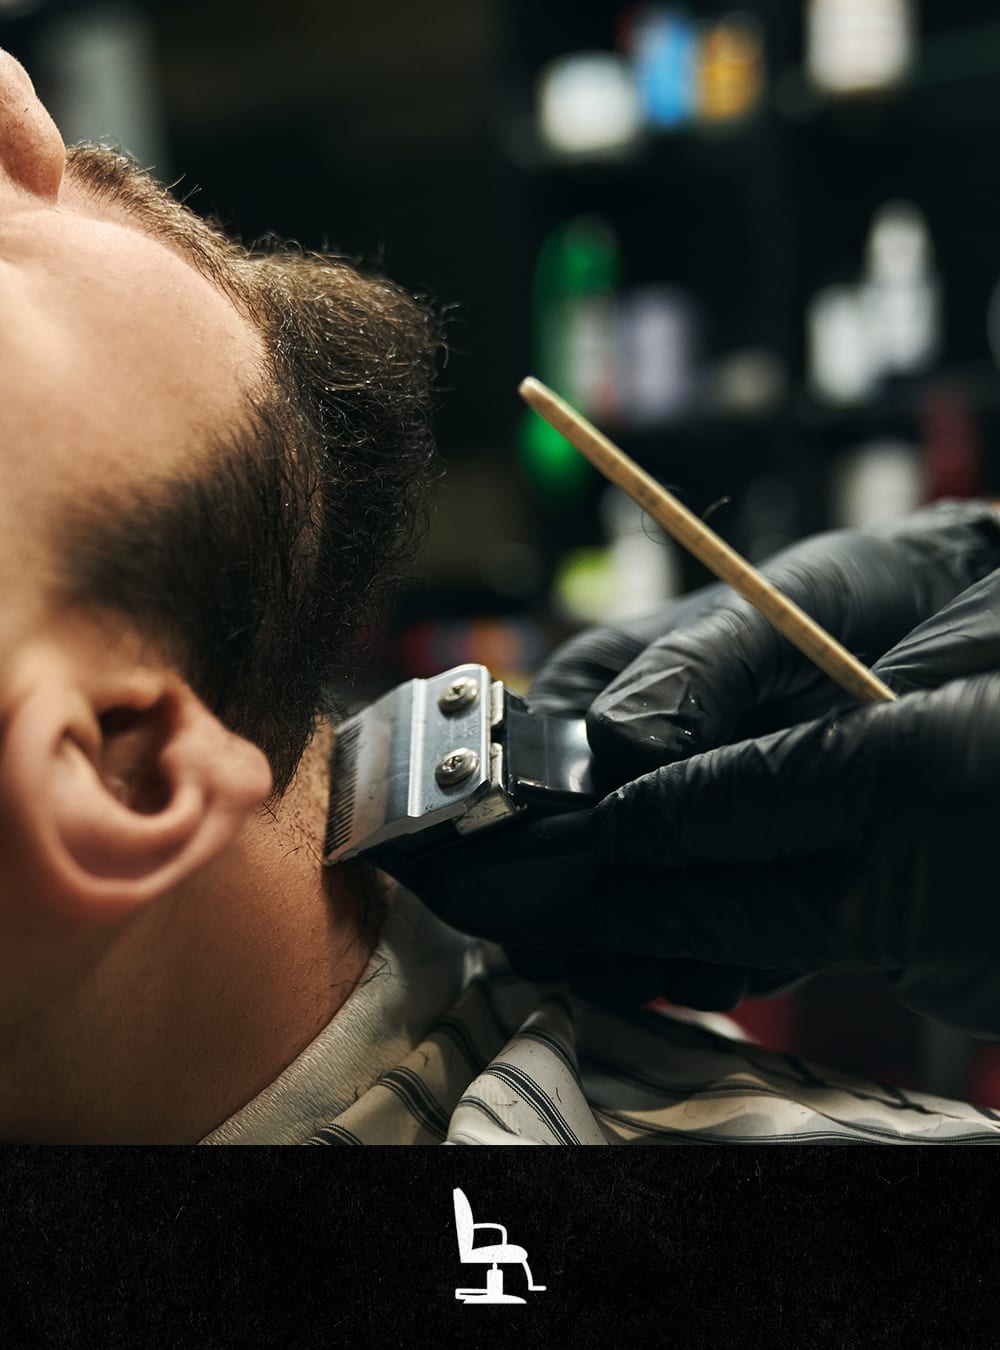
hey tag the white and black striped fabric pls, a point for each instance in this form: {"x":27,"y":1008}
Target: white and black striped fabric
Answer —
{"x":442,"y":1044}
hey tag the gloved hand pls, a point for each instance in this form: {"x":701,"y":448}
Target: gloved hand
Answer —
{"x":858,"y":842}
{"x":709,"y":669}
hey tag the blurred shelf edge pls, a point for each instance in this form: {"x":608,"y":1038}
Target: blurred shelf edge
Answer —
{"x":977,"y":382}
{"x":527,"y":152}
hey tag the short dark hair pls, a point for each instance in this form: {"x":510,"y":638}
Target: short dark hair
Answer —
{"x":258,"y":574}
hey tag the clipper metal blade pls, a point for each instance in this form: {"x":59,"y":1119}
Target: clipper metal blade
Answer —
{"x":444,"y":758}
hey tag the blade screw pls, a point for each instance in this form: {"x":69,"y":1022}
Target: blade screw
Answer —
{"x":456,"y":767}
{"x":459,"y":694}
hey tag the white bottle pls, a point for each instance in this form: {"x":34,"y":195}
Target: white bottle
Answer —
{"x":878,"y":481}
{"x":642,"y":558}
{"x":857,"y":46}
{"x":588,"y":104}
{"x":841,"y":363}
{"x":657,"y":354}
{"x":901,"y":291}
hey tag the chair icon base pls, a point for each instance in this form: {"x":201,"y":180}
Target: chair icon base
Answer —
{"x":483,"y":1296}
{"x":493,"y":1293}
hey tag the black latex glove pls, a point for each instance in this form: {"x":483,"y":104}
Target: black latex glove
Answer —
{"x":859,"y":842}
{"x":534,"y":887}
{"x":538,"y":889}
{"x":708,"y":669}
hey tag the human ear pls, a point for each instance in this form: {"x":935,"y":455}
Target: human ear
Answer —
{"x":112,"y":797}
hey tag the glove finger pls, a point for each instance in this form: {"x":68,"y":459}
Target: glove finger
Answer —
{"x":805,"y":849}
{"x":585,"y":665}
{"x":729,"y":675}
{"x":816,"y":788}
{"x":684,"y":693}
{"x":572,"y":678}
{"x":756,"y":801}
{"x":963,"y":638}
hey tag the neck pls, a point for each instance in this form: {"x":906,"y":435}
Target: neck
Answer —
{"x":186,"y":1014}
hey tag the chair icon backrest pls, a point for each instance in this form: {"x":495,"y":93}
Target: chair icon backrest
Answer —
{"x":491,"y":1254}
{"x":463,"y":1223}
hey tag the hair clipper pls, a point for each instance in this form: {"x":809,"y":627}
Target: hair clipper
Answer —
{"x":434,"y":762}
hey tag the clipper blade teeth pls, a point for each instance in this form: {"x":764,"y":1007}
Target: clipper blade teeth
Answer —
{"x":343,"y":785}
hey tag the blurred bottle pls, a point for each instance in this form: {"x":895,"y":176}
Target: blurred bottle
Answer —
{"x":575,"y":323}
{"x":588,"y":105}
{"x":658,"y":360}
{"x":887,"y":325}
{"x":840,"y":360}
{"x":750,"y":382}
{"x":730,"y":69}
{"x":901,"y":291}
{"x":662,"y":43}
{"x":643,"y":558}
{"x":634,"y":571}
{"x":859,"y":46}
{"x":952,"y":446}
{"x":881,"y":480}
{"x":582,"y":586}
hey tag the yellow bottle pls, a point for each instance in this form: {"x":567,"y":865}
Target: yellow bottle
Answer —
{"x":730,"y":69}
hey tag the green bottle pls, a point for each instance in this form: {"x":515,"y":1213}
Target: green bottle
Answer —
{"x":574,"y":344}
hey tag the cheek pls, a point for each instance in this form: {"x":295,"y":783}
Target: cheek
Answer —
{"x":159,"y":337}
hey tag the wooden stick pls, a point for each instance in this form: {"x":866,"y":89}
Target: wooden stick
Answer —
{"x":812,"y":640}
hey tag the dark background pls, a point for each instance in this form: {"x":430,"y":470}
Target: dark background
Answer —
{"x":404,"y":132}
{"x":692,"y":1247}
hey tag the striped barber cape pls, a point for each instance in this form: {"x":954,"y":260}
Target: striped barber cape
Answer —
{"x":441,"y":1043}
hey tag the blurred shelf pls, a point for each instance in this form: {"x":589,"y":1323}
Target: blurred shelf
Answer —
{"x":945,"y":63}
{"x":682,"y":149}
{"x":977,"y":382}
{"x":762,"y":212}
{"x":685,"y":439}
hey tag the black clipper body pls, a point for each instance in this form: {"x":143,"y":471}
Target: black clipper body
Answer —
{"x":434,"y":762}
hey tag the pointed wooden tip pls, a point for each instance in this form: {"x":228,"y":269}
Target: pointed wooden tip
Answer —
{"x":530,"y":388}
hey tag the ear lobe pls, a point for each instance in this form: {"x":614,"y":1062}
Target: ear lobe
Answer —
{"x":112,"y":811}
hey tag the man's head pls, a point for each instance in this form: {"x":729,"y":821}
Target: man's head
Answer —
{"x":210,"y":462}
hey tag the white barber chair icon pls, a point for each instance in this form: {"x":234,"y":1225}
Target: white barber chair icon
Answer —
{"x":504,"y":1253}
